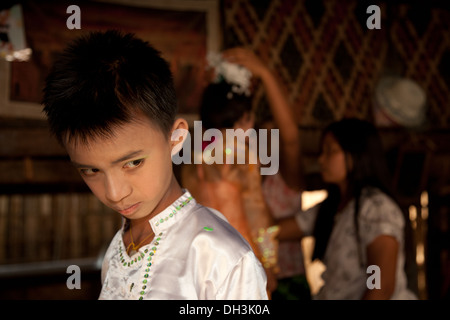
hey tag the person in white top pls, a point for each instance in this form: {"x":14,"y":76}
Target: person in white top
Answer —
{"x":359,"y":228}
{"x":110,"y":101}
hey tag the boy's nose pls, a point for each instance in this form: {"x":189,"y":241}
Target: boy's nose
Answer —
{"x":116,"y":189}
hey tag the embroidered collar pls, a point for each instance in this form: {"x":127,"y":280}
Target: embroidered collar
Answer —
{"x":169,"y":216}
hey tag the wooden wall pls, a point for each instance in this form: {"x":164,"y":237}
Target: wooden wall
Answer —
{"x":48,"y":217}
{"x":330,"y":62}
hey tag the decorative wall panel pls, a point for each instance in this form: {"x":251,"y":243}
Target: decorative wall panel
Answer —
{"x":329,"y":61}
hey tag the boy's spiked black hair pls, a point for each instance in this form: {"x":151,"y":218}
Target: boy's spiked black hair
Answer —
{"x":103,"y":80}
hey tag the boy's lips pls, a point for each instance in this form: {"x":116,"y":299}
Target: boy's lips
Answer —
{"x":128,"y":210}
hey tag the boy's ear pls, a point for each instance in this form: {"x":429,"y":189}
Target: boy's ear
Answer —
{"x":180,"y":130}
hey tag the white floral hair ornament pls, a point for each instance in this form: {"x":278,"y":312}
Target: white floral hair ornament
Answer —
{"x":236,"y":75}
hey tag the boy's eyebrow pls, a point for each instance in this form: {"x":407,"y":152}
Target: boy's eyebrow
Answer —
{"x":123,"y":158}
{"x":127,"y":156}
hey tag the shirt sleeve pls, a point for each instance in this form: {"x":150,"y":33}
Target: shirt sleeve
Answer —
{"x":107,"y":257}
{"x":105,"y":265}
{"x":246,"y":281}
{"x":307,"y":219}
{"x":380,"y":215}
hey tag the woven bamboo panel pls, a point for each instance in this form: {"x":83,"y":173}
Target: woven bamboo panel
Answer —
{"x":330,"y":62}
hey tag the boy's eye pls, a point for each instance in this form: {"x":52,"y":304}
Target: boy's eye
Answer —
{"x":134,"y":163}
{"x":88,"y":172}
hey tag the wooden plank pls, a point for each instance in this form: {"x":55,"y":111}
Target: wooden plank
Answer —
{"x":15,"y":245}
{"x":32,"y":230}
{"x":28,"y":142}
{"x":38,"y":171}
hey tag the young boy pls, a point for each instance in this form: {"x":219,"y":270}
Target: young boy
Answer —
{"x":110,"y":101}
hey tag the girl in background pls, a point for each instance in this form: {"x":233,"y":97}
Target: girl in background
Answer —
{"x":359,"y":224}
{"x":233,"y":188}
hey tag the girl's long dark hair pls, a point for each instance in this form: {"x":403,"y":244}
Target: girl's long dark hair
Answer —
{"x":360,"y":141}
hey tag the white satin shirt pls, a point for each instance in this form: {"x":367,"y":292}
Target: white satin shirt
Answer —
{"x":195,"y":255}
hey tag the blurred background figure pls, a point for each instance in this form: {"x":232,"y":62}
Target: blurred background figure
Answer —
{"x":267,"y":197}
{"x":233,"y":189}
{"x":359,"y":224}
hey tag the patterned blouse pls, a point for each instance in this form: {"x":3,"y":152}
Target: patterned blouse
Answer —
{"x":284,"y":202}
{"x":344,"y":277}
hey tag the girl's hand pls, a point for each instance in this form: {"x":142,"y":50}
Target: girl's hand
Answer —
{"x":247,"y":59}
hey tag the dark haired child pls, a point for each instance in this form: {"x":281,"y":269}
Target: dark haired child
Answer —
{"x":110,"y":101}
{"x":227,"y":104}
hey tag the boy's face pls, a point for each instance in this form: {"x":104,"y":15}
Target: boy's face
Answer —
{"x":130,"y":172}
